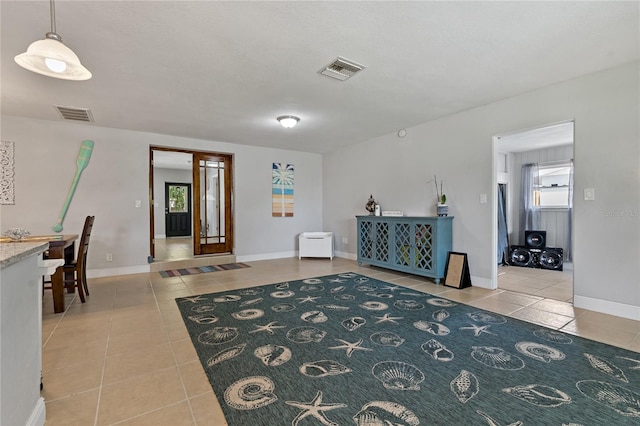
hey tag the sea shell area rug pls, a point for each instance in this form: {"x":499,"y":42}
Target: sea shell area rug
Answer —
{"x":346,"y":349}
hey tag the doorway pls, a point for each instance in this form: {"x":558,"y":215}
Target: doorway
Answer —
{"x":533,"y":181}
{"x":190,"y":203}
{"x":177,"y":210}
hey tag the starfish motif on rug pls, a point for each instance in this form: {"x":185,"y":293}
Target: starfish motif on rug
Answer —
{"x":194,"y":299}
{"x":268,"y":328}
{"x":338,"y":280}
{"x":308,"y":299}
{"x":350,"y":347}
{"x":477,"y":329}
{"x":388,"y":318}
{"x":314,"y":408}
{"x":390,"y":288}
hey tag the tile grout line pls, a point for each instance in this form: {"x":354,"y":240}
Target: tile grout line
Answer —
{"x":175,"y":361}
{"x":104,"y":361}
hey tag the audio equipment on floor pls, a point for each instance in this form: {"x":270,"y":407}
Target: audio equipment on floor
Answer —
{"x":535,"y":239}
{"x":547,"y":258}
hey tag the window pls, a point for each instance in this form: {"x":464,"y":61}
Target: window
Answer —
{"x":553,"y":188}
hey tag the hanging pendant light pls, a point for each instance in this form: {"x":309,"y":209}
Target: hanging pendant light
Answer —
{"x":51,"y":57}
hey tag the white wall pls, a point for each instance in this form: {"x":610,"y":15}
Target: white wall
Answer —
{"x":118,"y":175}
{"x":459,"y":149}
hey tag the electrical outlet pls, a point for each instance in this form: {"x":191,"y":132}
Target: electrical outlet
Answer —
{"x":345,"y":240}
{"x":109,"y":257}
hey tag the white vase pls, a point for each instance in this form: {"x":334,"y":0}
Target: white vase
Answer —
{"x":442,"y":209}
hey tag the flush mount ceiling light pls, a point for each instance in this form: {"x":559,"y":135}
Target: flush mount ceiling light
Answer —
{"x":288,"y":121}
{"x":51,"y":57}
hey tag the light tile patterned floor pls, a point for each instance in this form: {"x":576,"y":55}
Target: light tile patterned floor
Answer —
{"x":125,"y":357}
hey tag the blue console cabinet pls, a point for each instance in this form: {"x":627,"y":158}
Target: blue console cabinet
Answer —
{"x":412,"y":244}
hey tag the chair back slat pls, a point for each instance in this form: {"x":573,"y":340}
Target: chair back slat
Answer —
{"x":83,"y":248}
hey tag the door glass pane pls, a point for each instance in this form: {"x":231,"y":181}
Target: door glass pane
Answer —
{"x":212,"y":202}
{"x":177,"y":199}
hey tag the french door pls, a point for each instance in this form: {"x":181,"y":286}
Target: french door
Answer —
{"x":212,"y":197}
{"x":213,"y":231}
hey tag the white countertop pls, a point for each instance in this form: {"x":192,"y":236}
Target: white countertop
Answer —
{"x":11,"y":253}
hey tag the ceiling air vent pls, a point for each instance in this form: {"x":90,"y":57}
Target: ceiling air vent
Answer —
{"x":341,"y":69}
{"x":73,"y":113}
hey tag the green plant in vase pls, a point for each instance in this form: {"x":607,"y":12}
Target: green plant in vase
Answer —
{"x":442,"y":208}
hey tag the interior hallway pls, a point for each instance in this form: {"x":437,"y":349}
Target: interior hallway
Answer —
{"x":125,"y":357}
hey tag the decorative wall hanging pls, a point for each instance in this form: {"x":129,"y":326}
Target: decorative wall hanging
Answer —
{"x":81,"y":163}
{"x":282,"y":190}
{"x":6,"y":179}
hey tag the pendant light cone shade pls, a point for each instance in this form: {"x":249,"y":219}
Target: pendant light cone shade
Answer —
{"x":52,"y":58}
{"x":288,"y":121}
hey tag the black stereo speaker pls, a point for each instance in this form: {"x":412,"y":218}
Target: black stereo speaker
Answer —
{"x":535,"y":239}
{"x":548,"y":258}
{"x":551,"y":258}
{"x":521,"y":256}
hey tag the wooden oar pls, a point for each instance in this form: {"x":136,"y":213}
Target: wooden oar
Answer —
{"x":81,"y":163}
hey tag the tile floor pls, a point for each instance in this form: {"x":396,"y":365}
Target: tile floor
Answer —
{"x":125,"y":357}
{"x":175,"y":248}
{"x":550,"y":284}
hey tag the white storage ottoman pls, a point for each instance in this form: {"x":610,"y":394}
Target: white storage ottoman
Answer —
{"x":315,"y":244}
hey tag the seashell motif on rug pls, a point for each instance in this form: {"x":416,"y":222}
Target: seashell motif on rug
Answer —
{"x":306,"y":335}
{"x":353,"y":323}
{"x":540,"y":352}
{"x":314,"y":317}
{"x":397,"y":375}
{"x":248,"y":314}
{"x":218,"y":335}
{"x":465,"y":386}
{"x":250,"y":393}
{"x":204,"y":319}
{"x":283,"y":307}
{"x":434,"y":328}
{"x":386,"y":338}
{"x":540,"y":395}
{"x":383,"y":413}
{"x":226,"y":354}
{"x":273,"y":355}
{"x":496,"y":358}
{"x":323,"y":368}
{"x":606,"y":367}
{"x":553,"y":336}
{"x":437,"y":350}
{"x":440,"y":315}
{"x":616,"y":397}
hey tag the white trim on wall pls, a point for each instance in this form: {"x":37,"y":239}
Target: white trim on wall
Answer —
{"x":607,"y":307}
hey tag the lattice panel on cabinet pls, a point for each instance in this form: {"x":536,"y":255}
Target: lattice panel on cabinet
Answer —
{"x":424,"y":246}
{"x":382,"y":242}
{"x":366,"y":242}
{"x":402,"y":244}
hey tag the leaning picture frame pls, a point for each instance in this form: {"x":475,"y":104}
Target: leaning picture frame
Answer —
{"x":456,"y":272}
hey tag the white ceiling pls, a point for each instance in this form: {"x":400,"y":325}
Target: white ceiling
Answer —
{"x":225,"y":70}
{"x":543,"y":137}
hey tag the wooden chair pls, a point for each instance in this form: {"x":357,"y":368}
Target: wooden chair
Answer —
{"x":78,"y":268}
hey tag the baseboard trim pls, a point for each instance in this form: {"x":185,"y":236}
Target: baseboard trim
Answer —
{"x":607,"y":307}
{"x":482,"y":282}
{"x":110,"y":272}
{"x":39,"y":414}
{"x":345,"y":255}
{"x":266,"y":256}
